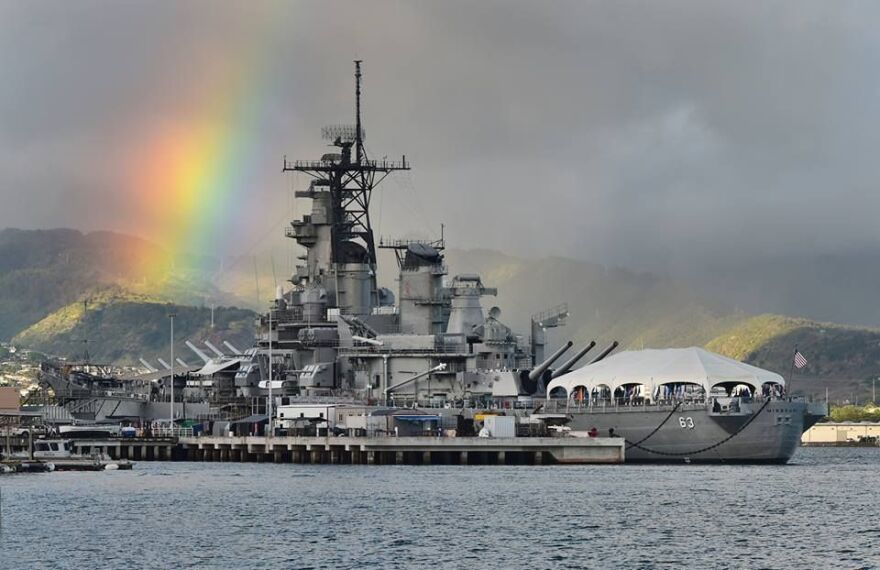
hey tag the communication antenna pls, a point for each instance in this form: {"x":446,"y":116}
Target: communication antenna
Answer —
{"x":541,"y":323}
{"x":257,"y":280}
{"x":349,"y":178}
{"x":359,"y":138}
{"x":341,"y":133}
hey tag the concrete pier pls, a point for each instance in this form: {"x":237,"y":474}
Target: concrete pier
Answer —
{"x":359,"y":450}
{"x":408,"y":450}
{"x":134,"y":449}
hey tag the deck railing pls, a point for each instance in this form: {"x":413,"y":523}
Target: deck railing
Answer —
{"x":172,"y":432}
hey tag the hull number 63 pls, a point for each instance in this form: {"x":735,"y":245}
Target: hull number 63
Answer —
{"x":686,"y":423}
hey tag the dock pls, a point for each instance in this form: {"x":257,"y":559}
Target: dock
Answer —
{"x":132,"y":449}
{"x":405,"y":450}
{"x":383,"y":450}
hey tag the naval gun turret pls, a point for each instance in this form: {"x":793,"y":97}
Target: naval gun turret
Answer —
{"x":541,"y":368}
{"x":566,"y":366}
{"x":530,"y":379}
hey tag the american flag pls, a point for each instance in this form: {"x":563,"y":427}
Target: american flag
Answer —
{"x":799,"y":360}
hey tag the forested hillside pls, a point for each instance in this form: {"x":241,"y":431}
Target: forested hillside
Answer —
{"x":60,"y":288}
{"x":62,"y":291}
{"x":119,"y":327}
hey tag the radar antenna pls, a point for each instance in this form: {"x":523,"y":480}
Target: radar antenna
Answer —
{"x":350,"y":184}
{"x":357,"y":97}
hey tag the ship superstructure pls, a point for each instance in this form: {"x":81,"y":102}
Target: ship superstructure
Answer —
{"x":336,"y":333}
{"x":336,"y":349}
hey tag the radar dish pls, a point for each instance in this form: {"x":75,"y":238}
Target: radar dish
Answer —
{"x":424,"y":251}
{"x":495,"y":312}
{"x":345,"y":133}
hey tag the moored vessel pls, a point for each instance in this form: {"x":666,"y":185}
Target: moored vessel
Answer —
{"x":690,"y":405}
{"x":333,"y":342}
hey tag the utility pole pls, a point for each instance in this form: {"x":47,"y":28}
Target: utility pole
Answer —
{"x":85,"y":322}
{"x":270,"y":407}
{"x":171,"y":315}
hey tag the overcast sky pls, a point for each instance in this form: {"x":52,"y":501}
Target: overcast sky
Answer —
{"x":638,"y":133}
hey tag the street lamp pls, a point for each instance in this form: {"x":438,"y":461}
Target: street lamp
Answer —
{"x":171,"y":316}
{"x":271,"y":401}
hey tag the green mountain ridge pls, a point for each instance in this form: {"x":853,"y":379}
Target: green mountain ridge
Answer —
{"x":62,"y":291}
{"x":118,"y":326}
{"x":605,"y":303}
{"x":42,"y":271}
{"x":833,"y":350}
{"x":46,"y":275}
{"x":642,"y":310}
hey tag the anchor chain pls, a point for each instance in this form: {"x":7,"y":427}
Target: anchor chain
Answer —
{"x":703,"y":450}
{"x":656,"y":429}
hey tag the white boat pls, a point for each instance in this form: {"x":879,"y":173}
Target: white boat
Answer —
{"x":59,"y":455}
{"x":89,"y":431}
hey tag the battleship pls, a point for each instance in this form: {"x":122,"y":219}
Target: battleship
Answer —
{"x":333,"y":338}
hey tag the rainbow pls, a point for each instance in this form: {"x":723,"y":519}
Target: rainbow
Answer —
{"x":194,"y":178}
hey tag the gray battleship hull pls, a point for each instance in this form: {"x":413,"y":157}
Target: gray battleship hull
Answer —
{"x":762,"y":433}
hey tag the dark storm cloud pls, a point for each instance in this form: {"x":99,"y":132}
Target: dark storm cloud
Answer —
{"x":640,"y":133}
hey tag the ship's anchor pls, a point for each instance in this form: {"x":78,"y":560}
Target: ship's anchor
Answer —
{"x":698,"y":451}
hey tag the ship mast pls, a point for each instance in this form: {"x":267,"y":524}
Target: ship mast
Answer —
{"x":357,"y":111}
{"x":349,"y":184}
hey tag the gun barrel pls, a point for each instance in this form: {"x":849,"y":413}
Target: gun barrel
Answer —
{"x":539,"y":370}
{"x":573,"y":360}
{"x":214,"y":349}
{"x":198,"y":352}
{"x":149,"y":366}
{"x":605,"y":352}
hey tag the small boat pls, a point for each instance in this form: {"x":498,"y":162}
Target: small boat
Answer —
{"x":58,"y":455}
{"x":89,"y":431}
{"x":9,"y":467}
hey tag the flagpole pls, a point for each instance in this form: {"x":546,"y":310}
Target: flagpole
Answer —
{"x":791,"y":371}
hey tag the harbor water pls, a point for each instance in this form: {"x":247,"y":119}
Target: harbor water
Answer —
{"x":818,"y":511}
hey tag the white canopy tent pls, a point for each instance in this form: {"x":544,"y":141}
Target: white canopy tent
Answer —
{"x":216,"y":365}
{"x":655,"y":368}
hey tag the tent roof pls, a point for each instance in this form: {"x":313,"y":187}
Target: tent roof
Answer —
{"x":414,"y":412}
{"x":252,"y":419}
{"x":662,"y":366}
{"x":417,"y":417}
{"x":215,"y":365}
{"x":159,"y":374}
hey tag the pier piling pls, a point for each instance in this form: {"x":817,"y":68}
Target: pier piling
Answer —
{"x":357,"y":450}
